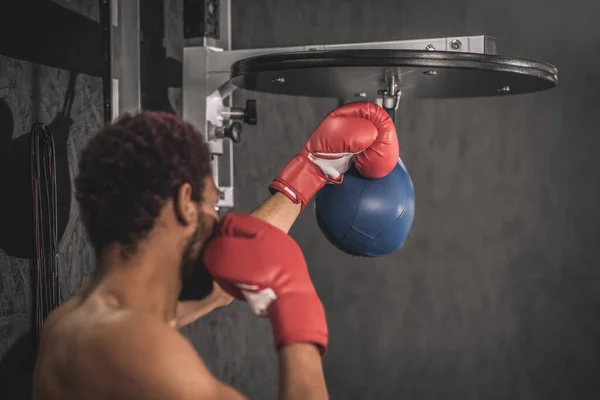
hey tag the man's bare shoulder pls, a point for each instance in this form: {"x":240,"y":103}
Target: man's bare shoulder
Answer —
{"x":127,"y":332}
{"x":127,"y":326}
{"x":142,"y":355}
{"x":121,"y":353}
{"x":149,"y":359}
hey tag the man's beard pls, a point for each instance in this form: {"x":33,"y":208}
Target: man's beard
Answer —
{"x":196,"y":282}
{"x":205,"y":229}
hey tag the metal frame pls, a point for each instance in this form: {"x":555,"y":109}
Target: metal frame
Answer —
{"x":207,"y":88}
{"x":125,"y":57}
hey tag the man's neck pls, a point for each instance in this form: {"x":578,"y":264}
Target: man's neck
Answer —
{"x":148,"y":279}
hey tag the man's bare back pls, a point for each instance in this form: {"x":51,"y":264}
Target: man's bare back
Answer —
{"x":67,"y":349}
{"x":94,"y":349}
{"x":70,"y":359}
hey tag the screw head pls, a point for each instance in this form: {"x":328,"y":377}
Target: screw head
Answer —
{"x":234,"y":132}
{"x":429,"y":47}
{"x":456,"y":44}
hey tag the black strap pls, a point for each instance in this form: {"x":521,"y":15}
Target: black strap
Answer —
{"x":45,"y":266}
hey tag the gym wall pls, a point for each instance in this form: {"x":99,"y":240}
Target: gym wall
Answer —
{"x":50,"y":72}
{"x":494,"y":294}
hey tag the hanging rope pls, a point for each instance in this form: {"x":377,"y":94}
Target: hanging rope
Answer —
{"x":45,"y":269}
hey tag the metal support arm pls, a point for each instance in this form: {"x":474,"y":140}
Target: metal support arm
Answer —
{"x":207,"y":88}
{"x":207,"y":59}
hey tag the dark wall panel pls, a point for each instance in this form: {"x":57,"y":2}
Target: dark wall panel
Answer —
{"x":53,"y":83}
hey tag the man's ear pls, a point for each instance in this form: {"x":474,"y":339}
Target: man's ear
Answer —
{"x":184,"y":206}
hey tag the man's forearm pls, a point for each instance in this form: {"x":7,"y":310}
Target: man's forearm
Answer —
{"x":192,"y":310}
{"x":279,"y":211}
{"x":300,"y":365}
{"x":301,"y":373}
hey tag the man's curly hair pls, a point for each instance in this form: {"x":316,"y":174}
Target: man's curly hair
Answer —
{"x":130,"y":169}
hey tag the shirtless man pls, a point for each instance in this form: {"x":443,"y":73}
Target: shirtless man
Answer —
{"x":147,"y":200}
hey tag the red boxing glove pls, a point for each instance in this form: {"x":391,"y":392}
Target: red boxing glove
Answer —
{"x":362,"y":132}
{"x":257,"y":262}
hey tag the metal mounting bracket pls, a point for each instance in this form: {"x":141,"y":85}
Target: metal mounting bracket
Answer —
{"x":207,"y":88}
